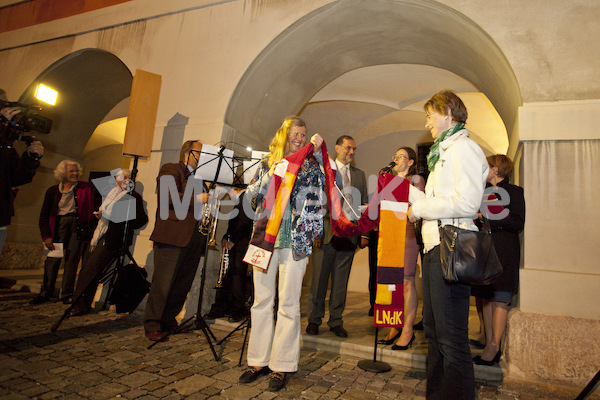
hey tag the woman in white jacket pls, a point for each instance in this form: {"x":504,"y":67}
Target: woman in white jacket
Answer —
{"x":454,"y":192}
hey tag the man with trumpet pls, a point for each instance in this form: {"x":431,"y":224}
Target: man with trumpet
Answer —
{"x":178,"y":242}
{"x":234,"y":285}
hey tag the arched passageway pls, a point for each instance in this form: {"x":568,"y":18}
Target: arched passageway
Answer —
{"x":351,"y":35}
{"x":90,"y":83}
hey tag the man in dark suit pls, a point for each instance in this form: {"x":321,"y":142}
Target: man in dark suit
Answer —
{"x":335,"y":255}
{"x":178,"y":243}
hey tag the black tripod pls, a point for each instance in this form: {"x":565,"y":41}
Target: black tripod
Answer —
{"x":107,"y":275}
{"x":196,"y":321}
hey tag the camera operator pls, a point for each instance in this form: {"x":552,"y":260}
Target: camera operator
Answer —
{"x":14,"y":170}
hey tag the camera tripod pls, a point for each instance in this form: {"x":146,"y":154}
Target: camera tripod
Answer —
{"x":245,"y":324}
{"x":107,"y":275}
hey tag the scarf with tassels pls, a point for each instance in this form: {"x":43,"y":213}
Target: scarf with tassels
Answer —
{"x":434,"y":151}
{"x":386,"y":210}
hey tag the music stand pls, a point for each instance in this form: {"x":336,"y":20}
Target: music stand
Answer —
{"x":374,"y":365}
{"x":229,"y":163}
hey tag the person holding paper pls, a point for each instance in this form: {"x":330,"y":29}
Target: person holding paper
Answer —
{"x":66,"y":218}
{"x":178,"y":243}
{"x":275,"y":347}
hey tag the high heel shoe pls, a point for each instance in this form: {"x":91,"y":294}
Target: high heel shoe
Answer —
{"x":480,"y":361}
{"x":390,"y":341}
{"x":397,"y":347}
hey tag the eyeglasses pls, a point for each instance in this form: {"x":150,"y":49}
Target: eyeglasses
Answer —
{"x":399,"y":157}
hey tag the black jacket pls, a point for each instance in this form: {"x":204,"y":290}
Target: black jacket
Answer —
{"x":14,"y":171}
{"x":505,"y":233}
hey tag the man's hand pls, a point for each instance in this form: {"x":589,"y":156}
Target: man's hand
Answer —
{"x":49,"y":244}
{"x":36,"y":148}
{"x":202,"y":198}
{"x":363,"y":242}
{"x":9,"y":112}
{"x":318,"y":243}
{"x":410,"y":215}
{"x":227,"y":244}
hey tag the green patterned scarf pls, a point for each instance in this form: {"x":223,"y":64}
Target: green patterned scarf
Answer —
{"x":434,"y":152}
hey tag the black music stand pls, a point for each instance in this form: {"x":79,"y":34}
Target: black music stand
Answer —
{"x":108,"y":274}
{"x":197,"y":319}
{"x":374,"y":365}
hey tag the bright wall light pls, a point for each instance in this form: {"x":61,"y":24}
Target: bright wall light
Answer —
{"x":46,"y":94}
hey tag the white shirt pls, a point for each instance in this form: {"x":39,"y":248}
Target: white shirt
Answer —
{"x":344,"y":169}
{"x":454,"y":189}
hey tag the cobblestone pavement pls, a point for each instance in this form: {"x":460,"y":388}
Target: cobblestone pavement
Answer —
{"x":104,"y":355}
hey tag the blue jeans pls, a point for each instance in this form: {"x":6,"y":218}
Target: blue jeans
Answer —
{"x":450,"y":372}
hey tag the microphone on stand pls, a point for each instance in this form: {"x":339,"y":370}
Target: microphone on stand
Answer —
{"x":388,"y":168}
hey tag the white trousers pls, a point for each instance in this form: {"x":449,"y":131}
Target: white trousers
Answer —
{"x":277,"y":345}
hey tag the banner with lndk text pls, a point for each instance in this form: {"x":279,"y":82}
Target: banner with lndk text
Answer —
{"x":387,"y":211}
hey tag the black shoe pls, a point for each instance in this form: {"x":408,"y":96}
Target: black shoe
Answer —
{"x":371,"y":312}
{"x":312,"y":329}
{"x":480,"y":361}
{"x":276,"y":381}
{"x":253,"y":374}
{"x":339,"y":331}
{"x":418,"y":327}
{"x":39,"y":299}
{"x":396,"y":347}
{"x":390,"y":341}
{"x":67,"y":300}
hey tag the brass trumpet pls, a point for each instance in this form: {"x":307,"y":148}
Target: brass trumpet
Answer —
{"x":208,"y":224}
{"x":223,"y":267}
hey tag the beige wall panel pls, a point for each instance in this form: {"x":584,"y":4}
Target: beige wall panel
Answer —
{"x":141,"y":121}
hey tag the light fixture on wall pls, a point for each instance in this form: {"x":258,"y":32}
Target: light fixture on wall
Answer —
{"x":46,"y":94}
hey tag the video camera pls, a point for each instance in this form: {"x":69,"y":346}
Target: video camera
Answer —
{"x":25,"y":121}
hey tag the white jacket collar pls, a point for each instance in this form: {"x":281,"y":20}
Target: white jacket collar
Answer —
{"x":450,"y":141}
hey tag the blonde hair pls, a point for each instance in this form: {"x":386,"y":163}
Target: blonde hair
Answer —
{"x":278,"y":144}
{"x":61,"y":169}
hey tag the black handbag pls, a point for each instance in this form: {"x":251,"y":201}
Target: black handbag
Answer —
{"x":469,"y":257}
{"x":131,"y":286}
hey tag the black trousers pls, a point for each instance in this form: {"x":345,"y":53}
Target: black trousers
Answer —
{"x":450,"y":372}
{"x":96,"y":261}
{"x":174,"y":272}
{"x":66,"y":233}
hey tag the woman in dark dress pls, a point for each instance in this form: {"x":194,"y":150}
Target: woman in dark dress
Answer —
{"x":506,"y":223}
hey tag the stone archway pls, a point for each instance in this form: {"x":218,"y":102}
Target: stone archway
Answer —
{"x":352,"y":34}
{"x":90,"y":83}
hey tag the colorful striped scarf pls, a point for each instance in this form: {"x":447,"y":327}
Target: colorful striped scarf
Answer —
{"x":387,"y":210}
{"x":267,"y":227}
